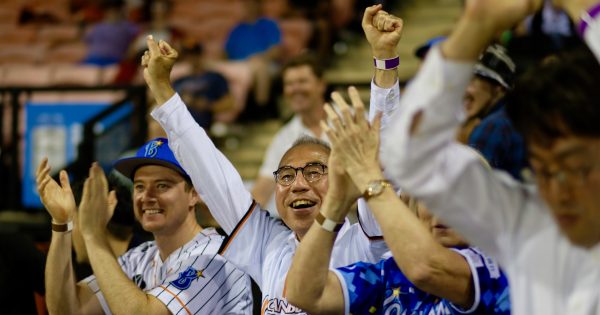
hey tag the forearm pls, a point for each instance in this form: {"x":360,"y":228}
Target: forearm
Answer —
{"x":307,"y":278}
{"x":214,"y":177}
{"x":162,"y":91}
{"x":426,"y":263}
{"x":114,"y":284}
{"x":310,"y":285}
{"x":408,"y":239}
{"x":61,"y":290}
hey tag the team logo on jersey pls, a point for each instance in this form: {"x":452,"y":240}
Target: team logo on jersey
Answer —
{"x":185,"y":278}
{"x":152,"y":148}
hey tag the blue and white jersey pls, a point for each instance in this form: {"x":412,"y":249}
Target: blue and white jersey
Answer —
{"x":194,"y":279}
{"x":382,"y":288}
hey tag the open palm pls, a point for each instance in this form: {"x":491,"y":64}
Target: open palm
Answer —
{"x":57,"y":198}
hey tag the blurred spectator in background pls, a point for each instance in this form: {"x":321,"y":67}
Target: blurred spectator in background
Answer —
{"x":421,"y":51}
{"x":304,"y":92}
{"x":109,"y":40}
{"x":156,"y":23}
{"x":487,"y":128}
{"x":544,"y":33}
{"x":205,"y":92}
{"x":253,"y":35}
{"x":256,"y":40}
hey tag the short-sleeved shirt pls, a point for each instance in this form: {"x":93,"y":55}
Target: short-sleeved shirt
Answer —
{"x":194,"y":279}
{"x":247,"y":39}
{"x":382,"y":288}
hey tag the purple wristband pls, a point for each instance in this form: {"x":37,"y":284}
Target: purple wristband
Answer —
{"x":592,"y":12}
{"x":386,"y":64}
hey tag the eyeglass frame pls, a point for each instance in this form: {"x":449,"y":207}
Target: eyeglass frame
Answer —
{"x":566,"y":176}
{"x":302,"y":168}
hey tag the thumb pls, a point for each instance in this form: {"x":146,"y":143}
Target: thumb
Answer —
{"x":167,"y":50}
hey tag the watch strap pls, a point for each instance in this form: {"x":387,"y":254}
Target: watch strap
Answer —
{"x":67,"y":227}
{"x":328,"y":224}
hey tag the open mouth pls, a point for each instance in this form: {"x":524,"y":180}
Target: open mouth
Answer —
{"x":152,"y":211}
{"x":440,"y":226}
{"x":302,"y":204}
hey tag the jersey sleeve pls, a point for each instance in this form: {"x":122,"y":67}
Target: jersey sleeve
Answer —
{"x":489,"y":283}
{"x":251,"y":240}
{"x":205,"y":284}
{"x":363,"y":287}
{"x":386,"y":102}
{"x":214,"y":177}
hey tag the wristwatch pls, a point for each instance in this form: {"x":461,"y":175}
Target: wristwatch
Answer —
{"x":375,"y":188}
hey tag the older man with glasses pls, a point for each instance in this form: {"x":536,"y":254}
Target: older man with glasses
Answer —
{"x":259,"y":244}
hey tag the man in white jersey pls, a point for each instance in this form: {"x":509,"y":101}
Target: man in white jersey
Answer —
{"x":180,"y":272}
{"x":259,"y":244}
{"x":304,"y":92}
{"x":545,"y":236}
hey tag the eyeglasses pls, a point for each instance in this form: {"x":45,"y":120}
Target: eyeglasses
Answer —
{"x":573,"y":177}
{"x":312,"y":172}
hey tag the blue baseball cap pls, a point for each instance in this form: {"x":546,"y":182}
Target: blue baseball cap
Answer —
{"x":154,"y":152}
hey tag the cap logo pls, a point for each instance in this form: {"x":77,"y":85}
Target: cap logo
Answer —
{"x":152,"y":148}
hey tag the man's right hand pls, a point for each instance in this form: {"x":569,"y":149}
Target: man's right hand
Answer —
{"x":58,"y":199}
{"x":157,"y":62}
{"x":383,"y":31}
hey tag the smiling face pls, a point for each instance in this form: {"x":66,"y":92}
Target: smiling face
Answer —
{"x":162,"y":202}
{"x":302,"y":89}
{"x":299,"y":203}
{"x":568,"y":179}
{"x":443,"y":234}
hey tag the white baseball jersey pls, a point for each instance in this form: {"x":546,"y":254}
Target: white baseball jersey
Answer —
{"x":259,"y":244}
{"x":194,"y":279}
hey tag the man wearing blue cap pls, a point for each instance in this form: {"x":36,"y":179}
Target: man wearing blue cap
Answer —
{"x":179,"y":272}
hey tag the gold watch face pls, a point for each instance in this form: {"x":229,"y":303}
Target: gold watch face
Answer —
{"x":375,"y":188}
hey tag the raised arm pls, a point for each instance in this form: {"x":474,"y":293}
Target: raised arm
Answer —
{"x":419,"y":151}
{"x":309,"y":284}
{"x":63,"y":296}
{"x":116,"y":288}
{"x":430,"y":266}
{"x":383,"y":32}
{"x":214,"y":177}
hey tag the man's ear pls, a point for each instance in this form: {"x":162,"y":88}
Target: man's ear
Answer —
{"x":195,"y":198}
